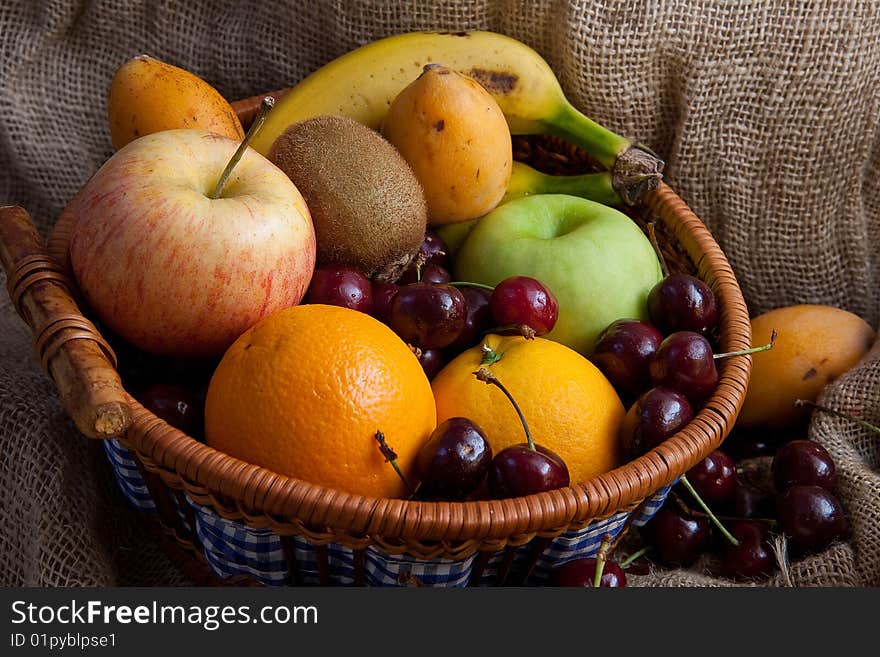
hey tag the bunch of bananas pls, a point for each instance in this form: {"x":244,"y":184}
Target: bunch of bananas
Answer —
{"x":362,"y":84}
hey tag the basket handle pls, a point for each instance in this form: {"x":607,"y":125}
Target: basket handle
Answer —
{"x":70,"y":349}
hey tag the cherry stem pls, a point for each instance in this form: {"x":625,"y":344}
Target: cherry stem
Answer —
{"x":391,"y":457}
{"x":635,"y":555}
{"x":601,"y":558}
{"x":831,"y":411}
{"x":267,"y":104}
{"x":486,"y":376}
{"x":730,"y":537}
{"x":752,"y":350}
{"x":470,"y":284}
{"x":652,"y":235}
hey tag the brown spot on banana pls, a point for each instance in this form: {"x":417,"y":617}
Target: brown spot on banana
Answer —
{"x":495,"y":82}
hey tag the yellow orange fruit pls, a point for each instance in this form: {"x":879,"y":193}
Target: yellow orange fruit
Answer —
{"x":814,"y":345}
{"x":455,"y":137}
{"x":304,"y":391}
{"x":569,"y":405}
{"x":148,"y":95}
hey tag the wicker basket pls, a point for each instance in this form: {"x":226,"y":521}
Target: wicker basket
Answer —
{"x":251,"y":525}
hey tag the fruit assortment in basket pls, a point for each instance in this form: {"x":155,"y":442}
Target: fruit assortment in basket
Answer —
{"x":377,"y":293}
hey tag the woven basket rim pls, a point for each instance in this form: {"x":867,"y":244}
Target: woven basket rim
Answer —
{"x":263,"y":498}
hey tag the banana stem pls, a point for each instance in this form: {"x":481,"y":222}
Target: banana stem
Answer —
{"x":634,"y":169}
{"x":527,"y":181}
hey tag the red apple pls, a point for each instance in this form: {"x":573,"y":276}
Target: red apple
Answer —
{"x":176,"y":272}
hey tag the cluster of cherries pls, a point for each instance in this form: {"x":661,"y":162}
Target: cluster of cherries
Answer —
{"x":437,"y":317}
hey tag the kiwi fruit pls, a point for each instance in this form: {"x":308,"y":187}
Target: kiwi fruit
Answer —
{"x":367,"y":205}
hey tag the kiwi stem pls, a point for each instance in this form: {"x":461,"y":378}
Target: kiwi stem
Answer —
{"x":486,"y":376}
{"x":831,"y":411}
{"x":635,"y":555}
{"x":699,"y":500}
{"x":469,"y":284}
{"x":391,"y":457}
{"x":753,"y":350}
{"x":652,"y":235}
{"x":267,"y":104}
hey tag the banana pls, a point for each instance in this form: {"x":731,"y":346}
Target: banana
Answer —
{"x":362,"y":84}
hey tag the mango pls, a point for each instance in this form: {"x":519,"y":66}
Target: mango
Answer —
{"x":148,"y":95}
{"x":815,"y":344}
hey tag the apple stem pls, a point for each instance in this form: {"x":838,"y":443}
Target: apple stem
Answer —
{"x":753,"y":350}
{"x":485,"y":375}
{"x":831,"y":411}
{"x":730,"y":537}
{"x":267,"y":104}
{"x":469,"y":284}
{"x":652,"y":235}
{"x":391,"y":457}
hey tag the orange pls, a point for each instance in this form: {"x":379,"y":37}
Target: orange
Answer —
{"x":569,"y":405}
{"x":304,"y":391}
{"x":814,"y":345}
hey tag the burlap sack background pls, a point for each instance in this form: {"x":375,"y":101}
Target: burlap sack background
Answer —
{"x":765,"y":111}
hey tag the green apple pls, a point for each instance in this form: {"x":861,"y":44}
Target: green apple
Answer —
{"x":595,"y":259}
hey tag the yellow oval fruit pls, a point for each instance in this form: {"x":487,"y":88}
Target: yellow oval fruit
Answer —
{"x":569,"y":405}
{"x":454,"y":135}
{"x":148,"y":95}
{"x":814,"y":345}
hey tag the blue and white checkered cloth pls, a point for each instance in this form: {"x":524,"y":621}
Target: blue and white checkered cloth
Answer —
{"x":231,"y":548}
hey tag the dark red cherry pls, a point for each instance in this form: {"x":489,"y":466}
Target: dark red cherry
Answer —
{"x":478,"y":319}
{"x":432,"y":361}
{"x":678,"y":538}
{"x":655,"y":416}
{"x":714,"y":478}
{"x":176,"y":404}
{"x":428,"y":316}
{"x":811,"y":517}
{"x":622,"y":353}
{"x":454,"y":460}
{"x":340,"y":285}
{"x":753,"y":557}
{"x":582,"y":572}
{"x":749,"y":501}
{"x":803,"y":462}
{"x":524,"y":300}
{"x":520,"y":470}
{"x":383,"y":296}
{"x":681,"y":302}
{"x":430,"y":273}
{"x":684,"y":361}
{"x":435,"y":249}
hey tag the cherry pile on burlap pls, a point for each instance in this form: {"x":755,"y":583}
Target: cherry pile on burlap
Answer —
{"x":766,"y":113}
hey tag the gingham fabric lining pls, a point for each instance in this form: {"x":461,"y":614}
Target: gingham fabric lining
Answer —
{"x":232,"y":548}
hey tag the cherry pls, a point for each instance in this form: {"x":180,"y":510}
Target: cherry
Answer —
{"x":749,"y":501}
{"x":524,"y":468}
{"x":454,"y":460}
{"x":174,"y":403}
{"x":803,"y":462}
{"x":435,"y":250}
{"x":428,"y":316}
{"x":684,"y":361}
{"x":340,"y":285}
{"x":427,"y":273}
{"x":478,"y":319}
{"x":524,"y":300}
{"x":432,"y":361}
{"x":714,"y":478}
{"x":681,"y":302}
{"x":582,"y":572}
{"x":655,"y":416}
{"x":622,"y":353}
{"x":678,"y":538}
{"x":811,"y":517}
{"x":753,"y":557}
{"x":383,"y":295}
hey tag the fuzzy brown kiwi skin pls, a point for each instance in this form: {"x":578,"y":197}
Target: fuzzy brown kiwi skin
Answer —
{"x":367,"y":205}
